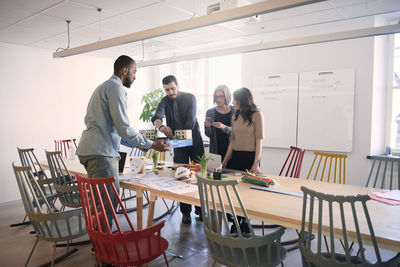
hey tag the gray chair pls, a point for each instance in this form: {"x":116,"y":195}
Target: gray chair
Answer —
{"x":28,"y":158}
{"x":49,"y":225}
{"x":234,"y":249}
{"x":383,"y":177}
{"x":314,"y":256}
{"x":64,"y":183}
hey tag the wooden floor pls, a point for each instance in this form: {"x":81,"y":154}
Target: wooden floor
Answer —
{"x":187,"y":240}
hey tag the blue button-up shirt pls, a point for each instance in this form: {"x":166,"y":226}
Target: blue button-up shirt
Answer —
{"x":106,"y":122}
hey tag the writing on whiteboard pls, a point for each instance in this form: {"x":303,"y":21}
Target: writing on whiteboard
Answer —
{"x":322,"y":84}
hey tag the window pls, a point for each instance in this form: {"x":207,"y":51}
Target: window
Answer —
{"x":200,"y":77}
{"x":394,"y":91}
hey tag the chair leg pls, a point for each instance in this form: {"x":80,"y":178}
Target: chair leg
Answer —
{"x":30,"y":255}
{"x":24,"y":222}
{"x":326,"y":244}
{"x":54,"y":254}
{"x":165,"y":258}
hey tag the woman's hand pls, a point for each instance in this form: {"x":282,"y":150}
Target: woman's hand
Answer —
{"x":223,"y":164}
{"x":207,"y":124}
{"x":255,"y":169}
{"x":219,"y":125}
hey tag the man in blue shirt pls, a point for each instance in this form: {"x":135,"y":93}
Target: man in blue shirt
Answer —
{"x":106,"y":122}
{"x":179,"y":109}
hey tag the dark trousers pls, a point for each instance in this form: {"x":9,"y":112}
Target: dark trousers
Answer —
{"x":185,"y":155}
{"x":242,"y":161}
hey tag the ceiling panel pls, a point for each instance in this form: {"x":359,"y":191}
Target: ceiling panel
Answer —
{"x":372,"y":8}
{"x":124,"y":24}
{"x":78,"y":13}
{"x":118,"y":6}
{"x":15,"y":10}
{"x":161,"y":14}
{"x":20,"y":35}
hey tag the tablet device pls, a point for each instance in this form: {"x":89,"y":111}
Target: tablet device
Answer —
{"x":121,"y":163}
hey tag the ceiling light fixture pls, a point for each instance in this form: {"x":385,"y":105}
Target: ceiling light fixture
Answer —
{"x":193,"y":23}
{"x":330,"y":37}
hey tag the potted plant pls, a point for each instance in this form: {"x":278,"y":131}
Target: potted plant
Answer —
{"x":150,"y":101}
{"x":154,"y":156}
{"x":203,"y":160}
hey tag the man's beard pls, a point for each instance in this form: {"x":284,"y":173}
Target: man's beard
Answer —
{"x":127,"y":82}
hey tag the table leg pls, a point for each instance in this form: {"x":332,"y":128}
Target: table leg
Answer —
{"x":139,"y":209}
{"x":150,"y":215}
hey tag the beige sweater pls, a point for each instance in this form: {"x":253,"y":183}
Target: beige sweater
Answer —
{"x":244,"y":136}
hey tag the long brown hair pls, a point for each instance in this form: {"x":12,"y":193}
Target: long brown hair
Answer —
{"x":245,"y":101}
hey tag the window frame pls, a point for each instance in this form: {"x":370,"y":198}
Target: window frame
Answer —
{"x":389,"y":93}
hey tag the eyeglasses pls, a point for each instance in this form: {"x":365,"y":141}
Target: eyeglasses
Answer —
{"x":219,"y":96}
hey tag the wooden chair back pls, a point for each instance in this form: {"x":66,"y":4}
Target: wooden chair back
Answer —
{"x":335,"y":172}
{"x":63,"y":146}
{"x":293,"y":163}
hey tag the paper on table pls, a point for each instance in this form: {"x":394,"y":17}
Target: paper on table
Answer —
{"x":168,"y":184}
{"x":392,"y":194}
{"x":132,"y":177}
{"x":384,"y":200}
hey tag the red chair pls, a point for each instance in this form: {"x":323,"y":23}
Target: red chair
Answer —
{"x":63,"y":146}
{"x":123,"y":247}
{"x":296,"y":159}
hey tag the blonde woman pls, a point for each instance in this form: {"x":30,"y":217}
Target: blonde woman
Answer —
{"x":218,"y":121}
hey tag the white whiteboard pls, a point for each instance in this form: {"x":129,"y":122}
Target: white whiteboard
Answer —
{"x":276,"y":96}
{"x":326,"y":108}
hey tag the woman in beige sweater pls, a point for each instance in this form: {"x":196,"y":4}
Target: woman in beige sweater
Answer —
{"x":244,"y":150}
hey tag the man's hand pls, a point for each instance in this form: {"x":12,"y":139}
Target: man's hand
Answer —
{"x":219,"y":125}
{"x":160,"y":145}
{"x":166,"y":130}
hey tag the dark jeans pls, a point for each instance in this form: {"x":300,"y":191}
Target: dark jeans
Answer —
{"x":185,"y":155}
{"x":102,"y":167}
{"x":242,"y":161}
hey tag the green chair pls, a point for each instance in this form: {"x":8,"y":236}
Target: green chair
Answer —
{"x":314,"y":256}
{"x":49,"y":225}
{"x":234,"y":249}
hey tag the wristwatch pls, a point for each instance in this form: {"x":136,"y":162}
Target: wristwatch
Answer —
{"x":159,"y":127}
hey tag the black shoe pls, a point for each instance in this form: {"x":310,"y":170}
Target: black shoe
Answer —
{"x":244,"y":227}
{"x":198,"y":212}
{"x":106,"y":264}
{"x":233,"y":229}
{"x":186,"y":219}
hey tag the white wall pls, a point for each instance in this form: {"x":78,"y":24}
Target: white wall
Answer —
{"x":357,"y":54}
{"x":42,"y":99}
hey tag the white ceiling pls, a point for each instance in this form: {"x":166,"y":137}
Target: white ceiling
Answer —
{"x":42,"y":23}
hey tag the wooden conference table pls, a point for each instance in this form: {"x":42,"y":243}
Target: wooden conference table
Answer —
{"x":277,"y":208}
